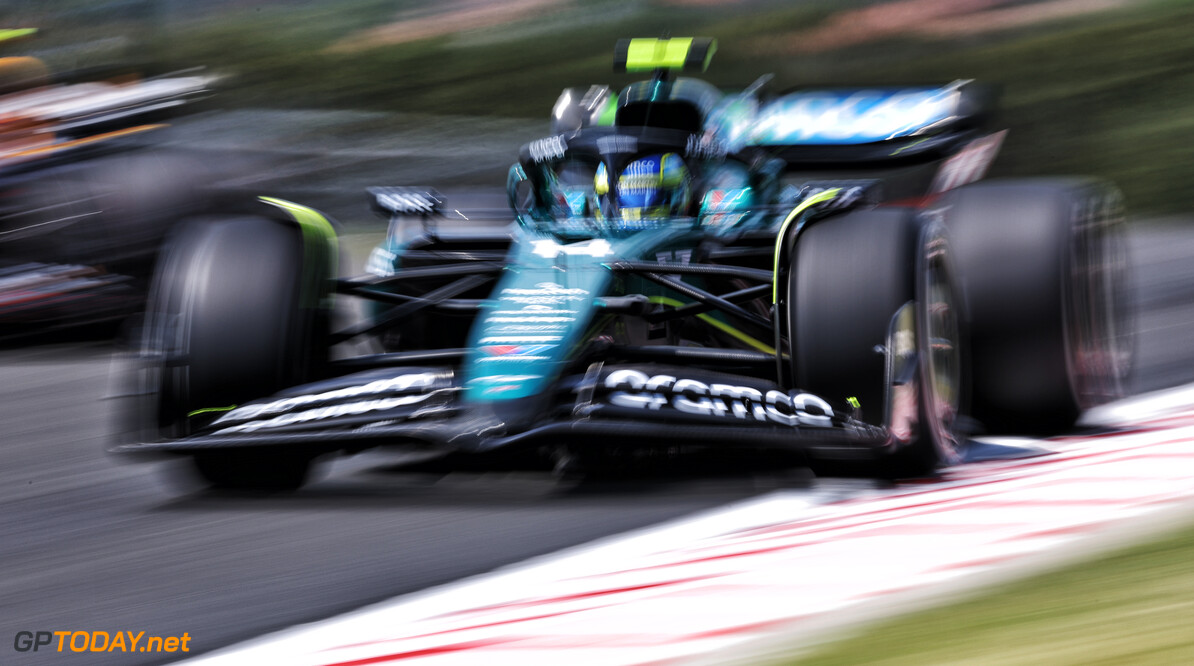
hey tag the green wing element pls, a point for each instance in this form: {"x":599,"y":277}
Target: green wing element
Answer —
{"x":320,"y":248}
{"x":803,"y":206}
{"x":16,"y":33}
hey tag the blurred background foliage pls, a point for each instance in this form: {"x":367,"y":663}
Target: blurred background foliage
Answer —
{"x":1100,"y":87}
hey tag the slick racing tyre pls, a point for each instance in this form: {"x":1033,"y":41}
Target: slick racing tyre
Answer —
{"x":227,"y":325}
{"x":873,"y":317}
{"x":112,"y":211}
{"x":1044,"y":269}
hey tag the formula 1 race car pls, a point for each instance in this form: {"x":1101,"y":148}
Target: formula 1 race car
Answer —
{"x":85,"y":201}
{"x":687,"y":269}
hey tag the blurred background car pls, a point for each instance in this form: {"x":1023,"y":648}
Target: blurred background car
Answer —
{"x":85,"y":195}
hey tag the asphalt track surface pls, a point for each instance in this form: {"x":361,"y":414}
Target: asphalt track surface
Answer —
{"x":88,"y":543}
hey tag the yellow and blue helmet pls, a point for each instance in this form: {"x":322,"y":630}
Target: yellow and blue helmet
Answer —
{"x":650,"y":187}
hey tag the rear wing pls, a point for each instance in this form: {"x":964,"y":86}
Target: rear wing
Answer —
{"x":844,"y":126}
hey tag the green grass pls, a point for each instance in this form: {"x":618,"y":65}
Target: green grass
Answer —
{"x":1132,"y":607}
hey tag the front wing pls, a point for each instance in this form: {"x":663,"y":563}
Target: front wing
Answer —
{"x":623,"y":407}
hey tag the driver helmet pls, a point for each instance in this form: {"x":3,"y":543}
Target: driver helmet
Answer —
{"x":650,"y":187}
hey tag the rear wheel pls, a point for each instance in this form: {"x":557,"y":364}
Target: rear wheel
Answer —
{"x":1044,"y":271}
{"x":873,"y":318}
{"x":227,"y":325}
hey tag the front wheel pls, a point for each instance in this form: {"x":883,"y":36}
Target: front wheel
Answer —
{"x":874,"y":321}
{"x":230,"y":320}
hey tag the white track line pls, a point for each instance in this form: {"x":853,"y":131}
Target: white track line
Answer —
{"x":698,"y":586}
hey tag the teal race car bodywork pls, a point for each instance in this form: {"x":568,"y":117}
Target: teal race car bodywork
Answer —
{"x":804,"y":297}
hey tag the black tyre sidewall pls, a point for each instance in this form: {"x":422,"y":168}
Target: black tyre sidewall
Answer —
{"x":1014,"y":241}
{"x":226,"y":320}
{"x":849,"y":277}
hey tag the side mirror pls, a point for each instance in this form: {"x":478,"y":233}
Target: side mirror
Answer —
{"x":518,"y":189}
